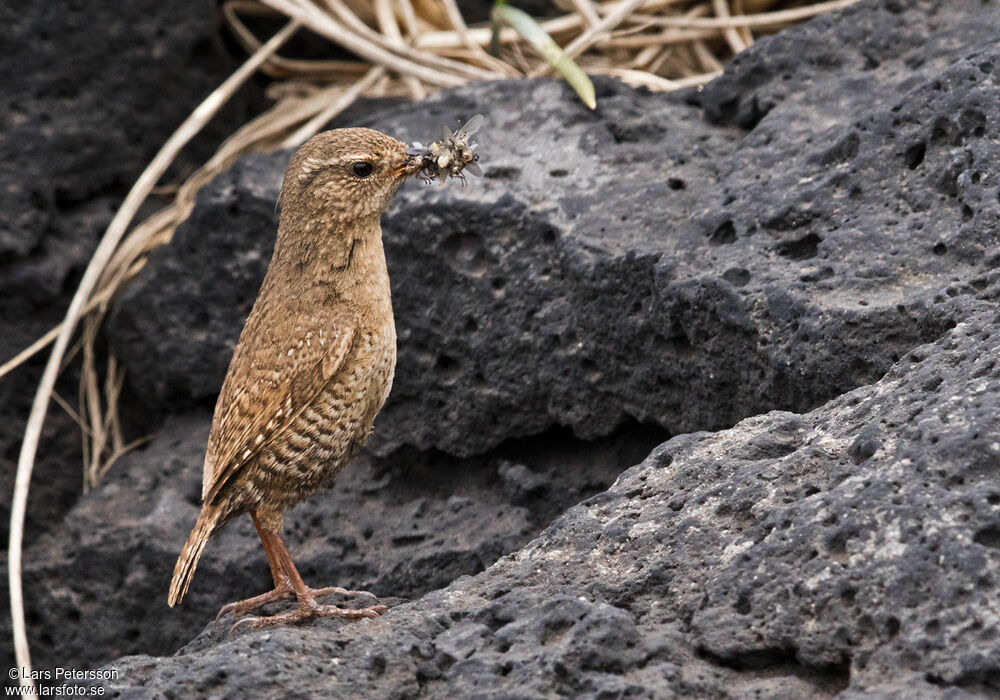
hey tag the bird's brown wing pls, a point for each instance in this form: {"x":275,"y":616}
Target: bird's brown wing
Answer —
{"x":269,"y":383}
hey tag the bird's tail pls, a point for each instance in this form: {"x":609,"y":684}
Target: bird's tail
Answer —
{"x":187,"y":562}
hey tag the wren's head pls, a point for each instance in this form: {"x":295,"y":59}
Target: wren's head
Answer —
{"x":345,"y":175}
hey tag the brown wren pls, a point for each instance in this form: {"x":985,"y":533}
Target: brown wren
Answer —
{"x":314,"y":362}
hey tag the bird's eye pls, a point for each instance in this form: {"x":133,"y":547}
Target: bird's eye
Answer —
{"x":362,"y":169}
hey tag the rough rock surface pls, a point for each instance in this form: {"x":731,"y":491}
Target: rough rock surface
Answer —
{"x":640,"y":262}
{"x":852,"y":550}
{"x":775,"y":241}
{"x":398,"y":526}
{"x":91,"y":90}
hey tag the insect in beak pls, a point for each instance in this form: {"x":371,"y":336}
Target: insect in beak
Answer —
{"x":414,"y":164}
{"x":452,"y":155}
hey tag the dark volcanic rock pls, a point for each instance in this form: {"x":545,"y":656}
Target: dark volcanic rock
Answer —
{"x":798,"y":229}
{"x":399,"y":526}
{"x":638,"y":262}
{"x":91,"y":90}
{"x":774,"y":559}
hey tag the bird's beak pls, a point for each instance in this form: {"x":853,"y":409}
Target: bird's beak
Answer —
{"x":413,"y":163}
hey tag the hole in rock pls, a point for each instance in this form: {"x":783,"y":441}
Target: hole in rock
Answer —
{"x":769,"y":662}
{"x":724,"y":234}
{"x":501,"y":172}
{"x":914,"y":155}
{"x":466,"y":254}
{"x":737,"y":276}
{"x":988,"y":537}
{"x":801,"y":248}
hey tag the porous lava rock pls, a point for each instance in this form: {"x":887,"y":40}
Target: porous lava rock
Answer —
{"x":641,"y":261}
{"x":852,"y":551}
{"x":795,"y":267}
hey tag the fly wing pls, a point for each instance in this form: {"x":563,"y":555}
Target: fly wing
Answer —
{"x":470,"y":127}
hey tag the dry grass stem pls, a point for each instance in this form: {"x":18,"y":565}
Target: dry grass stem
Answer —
{"x":276,"y":66}
{"x":409,"y":19}
{"x":333,"y":108}
{"x":444,"y":72}
{"x":759,"y":20}
{"x":746,"y":36}
{"x":386,"y":15}
{"x":475,"y":50}
{"x":612,"y":20}
{"x":588,"y":12}
{"x":732,"y":36}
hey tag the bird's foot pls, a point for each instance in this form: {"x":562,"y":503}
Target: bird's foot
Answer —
{"x":280,"y":592}
{"x":308,"y":609}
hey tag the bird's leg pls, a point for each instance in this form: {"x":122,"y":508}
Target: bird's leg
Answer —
{"x":282,"y":583}
{"x":307,"y":608}
{"x":286,"y":561}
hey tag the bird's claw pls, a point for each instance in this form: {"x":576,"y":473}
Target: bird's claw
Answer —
{"x":330,"y":590}
{"x":247,"y":622}
{"x":228,"y":607}
{"x":240,"y":608}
